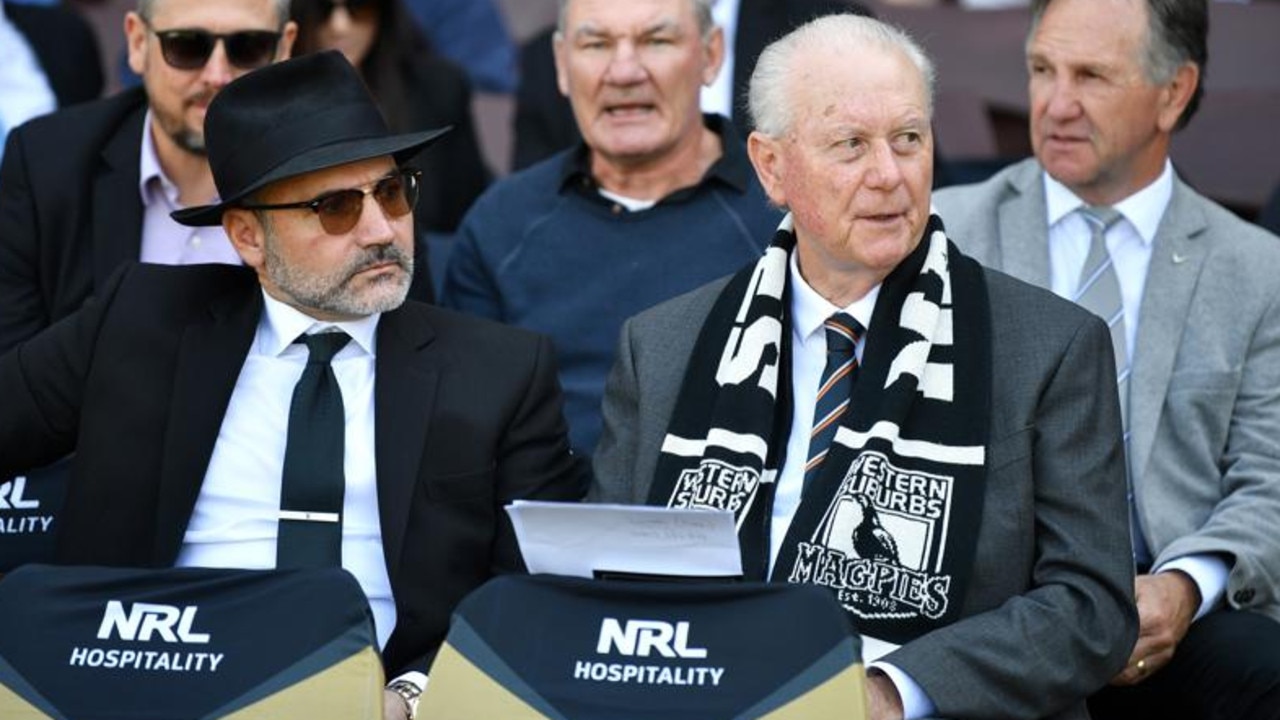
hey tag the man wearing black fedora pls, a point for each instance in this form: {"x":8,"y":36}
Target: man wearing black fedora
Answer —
{"x":297,"y":411}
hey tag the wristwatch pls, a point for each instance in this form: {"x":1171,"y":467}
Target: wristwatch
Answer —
{"x":408,"y":692}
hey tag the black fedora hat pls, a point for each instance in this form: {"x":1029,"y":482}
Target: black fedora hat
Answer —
{"x":296,"y":116}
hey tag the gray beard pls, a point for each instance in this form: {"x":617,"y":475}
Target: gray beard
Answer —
{"x":331,"y":294}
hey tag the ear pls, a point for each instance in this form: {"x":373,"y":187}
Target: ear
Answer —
{"x":247,"y":236}
{"x":1175,"y":95}
{"x":560,"y":48}
{"x":135,"y":35}
{"x":713,"y":55}
{"x":766,"y":156}
{"x":288,"y":36}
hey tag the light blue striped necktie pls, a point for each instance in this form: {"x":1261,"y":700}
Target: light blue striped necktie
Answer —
{"x":1099,"y":293}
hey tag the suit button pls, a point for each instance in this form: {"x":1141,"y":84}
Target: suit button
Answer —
{"x":1243,"y":595}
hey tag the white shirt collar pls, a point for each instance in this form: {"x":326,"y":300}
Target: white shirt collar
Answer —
{"x":281,"y":324}
{"x":1143,"y":209}
{"x":809,"y":310}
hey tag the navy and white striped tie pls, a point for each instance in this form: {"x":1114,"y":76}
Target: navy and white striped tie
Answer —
{"x":843,"y":333}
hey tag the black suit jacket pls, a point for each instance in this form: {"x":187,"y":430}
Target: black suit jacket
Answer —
{"x":66,"y":48}
{"x":468,"y":418}
{"x":544,"y":123}
{"x":70,"y":212}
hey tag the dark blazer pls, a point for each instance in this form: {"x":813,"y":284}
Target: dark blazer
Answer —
{"x":70,"y":212}
{"x":544,"y":123}
{"x":1049,"y":616}
{"x":66,"y":48}
{"x":468,"y":417}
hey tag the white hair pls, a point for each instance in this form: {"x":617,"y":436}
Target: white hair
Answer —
{"x":843,"y":34}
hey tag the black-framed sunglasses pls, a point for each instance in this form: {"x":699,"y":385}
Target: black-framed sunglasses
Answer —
{"x":190,"y":48}
{"x":340,"y":210}
{"x":359,"y":10}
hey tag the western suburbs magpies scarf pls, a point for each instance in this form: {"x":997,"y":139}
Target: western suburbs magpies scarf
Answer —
{"x":891,"y":522}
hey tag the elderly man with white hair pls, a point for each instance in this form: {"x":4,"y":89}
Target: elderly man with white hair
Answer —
{"x":932,"y":441}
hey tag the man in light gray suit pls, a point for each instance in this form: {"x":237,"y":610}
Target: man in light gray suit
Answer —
{"x":1194,"y":305}
{"x":934,"y":442}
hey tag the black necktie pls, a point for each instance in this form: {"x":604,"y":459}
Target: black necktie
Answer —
{"x":313,"y":483}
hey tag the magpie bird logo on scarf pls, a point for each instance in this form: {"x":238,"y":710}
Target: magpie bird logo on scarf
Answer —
{"x":890,"y":524}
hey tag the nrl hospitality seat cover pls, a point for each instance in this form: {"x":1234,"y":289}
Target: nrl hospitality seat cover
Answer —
{"x":29,"y":509}
{"x":88,"y":643}
{"x":529,"y":647}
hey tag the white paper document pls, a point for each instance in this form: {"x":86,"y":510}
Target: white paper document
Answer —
{"x":578,"y":539}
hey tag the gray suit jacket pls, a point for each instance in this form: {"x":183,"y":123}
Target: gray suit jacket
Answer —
{"x":1204,"y":396}
{"x":1049,"y":617}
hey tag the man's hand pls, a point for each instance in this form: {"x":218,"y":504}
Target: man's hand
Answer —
{"x":394,"y":706}
{"x":1167,"y":603}
{"x":882,"y":697}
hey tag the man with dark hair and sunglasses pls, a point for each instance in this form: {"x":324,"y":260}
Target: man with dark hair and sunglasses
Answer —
{"x":88,"y":188}
{"x":213,"y":428}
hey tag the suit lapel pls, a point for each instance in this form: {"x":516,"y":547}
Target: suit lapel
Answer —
{"x":117,"y":207}
{"x":1176,"y":260}
{"x":1024,"y":227}
{"x":209,"y":360}
{"x":404,"y":397}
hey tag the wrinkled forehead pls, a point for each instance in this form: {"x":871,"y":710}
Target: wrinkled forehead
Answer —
{"x":1074,"y":35}
{"x":626,"y":16}
{"x":833,"y":86}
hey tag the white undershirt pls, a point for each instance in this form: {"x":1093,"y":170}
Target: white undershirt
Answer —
{"x":630,"y":203}
{"x":235,"y":521}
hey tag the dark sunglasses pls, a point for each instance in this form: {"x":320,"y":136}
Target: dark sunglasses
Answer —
{"x":340,"y":210}
{"x":359,"y":10}
{"x":190,"y":49}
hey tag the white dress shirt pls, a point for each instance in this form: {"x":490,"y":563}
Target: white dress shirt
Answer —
{"x":718,"y":96}
{"x":235,"y":521}
{"x":1130,"y":243}
{"x":809,"y":311}
{"x":164,"y":240}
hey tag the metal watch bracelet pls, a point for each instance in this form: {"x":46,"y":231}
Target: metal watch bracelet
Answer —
{"x":409,"y":692}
